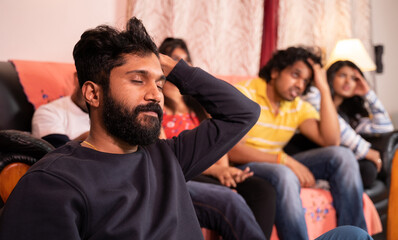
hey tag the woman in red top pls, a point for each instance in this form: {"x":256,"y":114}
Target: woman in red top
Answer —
{"x":183,"y":113}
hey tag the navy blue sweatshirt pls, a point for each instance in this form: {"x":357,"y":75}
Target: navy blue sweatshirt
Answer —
{"x":79,"y":193}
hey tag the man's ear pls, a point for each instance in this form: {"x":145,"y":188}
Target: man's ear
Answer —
{"x":274,"y":73}
{"x":91,"y":93}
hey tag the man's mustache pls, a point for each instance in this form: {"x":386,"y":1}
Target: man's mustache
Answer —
{"x":150,"y":107}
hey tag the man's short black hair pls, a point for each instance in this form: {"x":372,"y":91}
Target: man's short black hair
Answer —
{"x":101,"y":49}
{"x":285,"y":58}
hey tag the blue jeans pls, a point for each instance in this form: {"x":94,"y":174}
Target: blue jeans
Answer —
{"x":345,"y":233}
{"x":334,"y":164}
{"x":220,"y":209}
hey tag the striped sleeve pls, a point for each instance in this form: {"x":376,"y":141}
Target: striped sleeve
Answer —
{"x":348,"y":136}
{"x":379,"y":121}
{"x":352,"y":140}
{"x":313,"y":97}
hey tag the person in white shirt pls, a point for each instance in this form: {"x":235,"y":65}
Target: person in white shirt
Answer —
{"x":62,"y":120}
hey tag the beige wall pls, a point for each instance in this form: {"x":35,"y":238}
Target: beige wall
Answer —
{"x":384,"y":32}
{"x":47,"y":30}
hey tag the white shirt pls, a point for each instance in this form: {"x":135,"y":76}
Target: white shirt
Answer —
{"x":61,"y":116}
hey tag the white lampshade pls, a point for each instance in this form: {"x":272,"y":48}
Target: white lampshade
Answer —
{"x":354,"y":51}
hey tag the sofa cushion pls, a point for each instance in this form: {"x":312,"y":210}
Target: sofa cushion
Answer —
{"x":44,"y":82}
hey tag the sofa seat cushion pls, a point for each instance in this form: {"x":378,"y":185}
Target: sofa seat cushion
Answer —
{"x":320,"y":214}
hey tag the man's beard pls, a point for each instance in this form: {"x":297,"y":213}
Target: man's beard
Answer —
{"x":123,"y":123}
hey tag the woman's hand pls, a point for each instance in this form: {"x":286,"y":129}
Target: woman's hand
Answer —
{"x":374,"y":156}
{"x":229,"y":176}
{"x":362,"y":87}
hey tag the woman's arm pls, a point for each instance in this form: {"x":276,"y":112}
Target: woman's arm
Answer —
{"x":379,"y":121}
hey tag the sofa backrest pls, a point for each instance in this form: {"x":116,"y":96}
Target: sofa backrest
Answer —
{"x":15,"y":110}
{"x":25,"y":85}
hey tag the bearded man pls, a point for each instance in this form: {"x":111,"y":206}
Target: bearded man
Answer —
{"x":122,"y":182}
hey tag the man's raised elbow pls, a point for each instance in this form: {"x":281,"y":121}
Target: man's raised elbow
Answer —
{"x":256,"y":112}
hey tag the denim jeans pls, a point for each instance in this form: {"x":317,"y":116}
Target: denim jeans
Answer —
{"x":220,"y":209}
{"x":345,"y":233}
{"x":334,"y":164}
{"x":259,"y":195}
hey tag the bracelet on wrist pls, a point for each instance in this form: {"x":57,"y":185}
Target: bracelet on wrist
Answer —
{"x":281,"y":158}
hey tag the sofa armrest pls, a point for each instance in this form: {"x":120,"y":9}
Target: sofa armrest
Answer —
{"x":14,"y":142}
{"x":386,"y":144}
{"x":18,"y":151}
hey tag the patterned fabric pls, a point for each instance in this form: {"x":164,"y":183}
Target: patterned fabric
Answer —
{"x":272,"y":132}
{"x":175,"y":124}
{"x":323,"y":23}
{"x":224,"y":37}
{"x":320,"y":214}
{"x":379,"y":122}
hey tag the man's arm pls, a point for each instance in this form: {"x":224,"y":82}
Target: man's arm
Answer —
{"x":326,"y":131}
{"x":232,"y":113}
{"x":51,"y":212}
{"x":241,"y":154}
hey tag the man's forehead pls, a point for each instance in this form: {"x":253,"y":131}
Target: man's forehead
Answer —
{"x":301,"y":67}
{"x":148,"y":62}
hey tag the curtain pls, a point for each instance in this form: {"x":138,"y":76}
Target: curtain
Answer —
{"x":224,"y":36}
{"x":270,"y":30}
{"x":323,"y":22}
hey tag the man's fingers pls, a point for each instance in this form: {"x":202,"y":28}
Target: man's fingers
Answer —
{"x":310,"y":61}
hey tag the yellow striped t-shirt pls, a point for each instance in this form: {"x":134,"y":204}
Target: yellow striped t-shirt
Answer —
{"x":272,"y":132}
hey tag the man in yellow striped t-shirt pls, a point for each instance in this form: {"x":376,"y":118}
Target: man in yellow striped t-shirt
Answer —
{"x":284,"y":78}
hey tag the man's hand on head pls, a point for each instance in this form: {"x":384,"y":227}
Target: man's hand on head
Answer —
{"x":167,"y":63}
{"x":320,"y":79}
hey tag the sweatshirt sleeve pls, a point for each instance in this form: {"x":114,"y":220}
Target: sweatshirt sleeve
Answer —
{"x":379,"y":121}
{"x":233,"y":115}
{"x":54,"y":212}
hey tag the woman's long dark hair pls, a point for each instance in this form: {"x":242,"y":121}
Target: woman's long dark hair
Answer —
{"x":353,"y":108}
{"x":167,"y":47}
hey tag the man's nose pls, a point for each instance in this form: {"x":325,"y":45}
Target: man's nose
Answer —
{"x":300,"y":84}
{"x":153,"y":93}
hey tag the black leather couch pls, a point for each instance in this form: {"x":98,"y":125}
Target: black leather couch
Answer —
{"x":16,"y":113}
{"x":15,"y":110}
